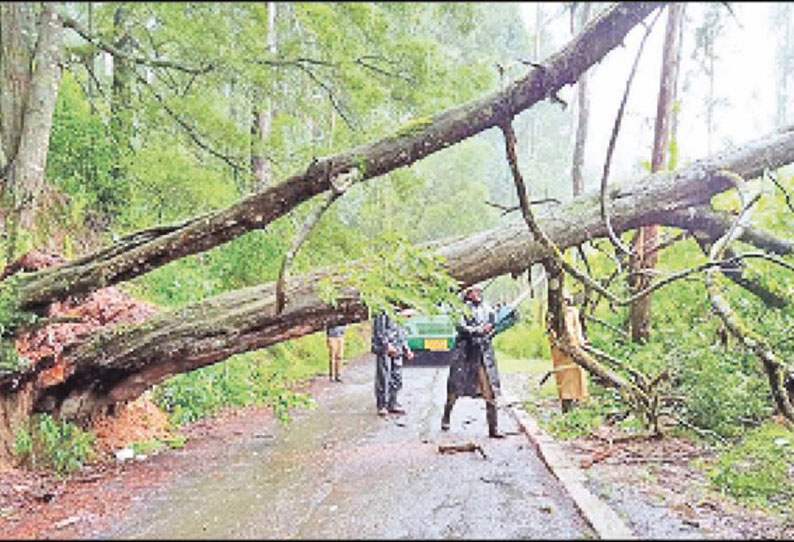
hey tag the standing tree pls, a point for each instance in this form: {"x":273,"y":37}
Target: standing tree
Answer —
{"x":30,"y":72}
{"x":646,"y":239}
{"x":577,"y":161}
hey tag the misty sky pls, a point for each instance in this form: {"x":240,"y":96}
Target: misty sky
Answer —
{"x":744,"y":82}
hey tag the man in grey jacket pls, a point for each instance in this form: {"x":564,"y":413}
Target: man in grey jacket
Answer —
{"x":390,"y":346}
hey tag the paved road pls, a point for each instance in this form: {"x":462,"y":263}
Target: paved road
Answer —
{"x":340,"y":471}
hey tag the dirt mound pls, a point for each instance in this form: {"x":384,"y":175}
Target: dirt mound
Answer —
{"x":137,"y":421}
{"x":99,"y":310}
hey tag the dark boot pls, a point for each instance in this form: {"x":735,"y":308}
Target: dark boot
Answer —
{"x":445,"y":417}
{"x":395,"y":407}
{"x":490,"y":416}
{"x":567,"y":405}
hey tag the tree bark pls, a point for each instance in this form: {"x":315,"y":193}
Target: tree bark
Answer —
{"x":17,"y":35}
{"x":577,"y":161}
{"x":121,"y":92}
{"x":144,"y":251}
{"x":32,"y":77}
{"x":645,"y":256}
{"x":263,"y":118}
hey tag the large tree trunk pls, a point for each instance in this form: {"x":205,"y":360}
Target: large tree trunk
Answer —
{"x":122,"y":363}
{"x":30,"y":86}
{"x":146,"y":250}
{"x":17,"y":35}
{"x":645,"y":255}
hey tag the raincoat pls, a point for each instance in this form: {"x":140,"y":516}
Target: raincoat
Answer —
{"x":571,"y":379}
{"x":388,"y":368}
{"x":472,"y":349}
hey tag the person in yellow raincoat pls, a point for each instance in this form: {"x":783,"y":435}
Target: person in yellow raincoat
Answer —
{"x":570,"y":378}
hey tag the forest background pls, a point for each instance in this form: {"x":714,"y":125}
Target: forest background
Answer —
{"x":137,"y":142}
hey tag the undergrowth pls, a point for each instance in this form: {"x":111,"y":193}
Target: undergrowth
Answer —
{"x":266,"y":377}
{"x":60,"y":446}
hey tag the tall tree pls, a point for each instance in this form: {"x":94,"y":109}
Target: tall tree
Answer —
{"x":583,"y":107}
{"x":781,"y":17}
{"x":645,"y":241}
{"x":30,"y":62}
{"x":263,"y":112}
{"x":121,"y":90}
{"x":707,"y":56}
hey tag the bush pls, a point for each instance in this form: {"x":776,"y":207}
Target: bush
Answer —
{"x":524,"y":340}
{"x":262,"y":377}
{"x":577,"y":422}
{"x":61,"y":446}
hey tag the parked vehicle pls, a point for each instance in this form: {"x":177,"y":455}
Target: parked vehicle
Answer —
{"x":432,"y":338}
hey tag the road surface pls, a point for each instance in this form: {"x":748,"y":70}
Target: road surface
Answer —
{"x":340,"y":471}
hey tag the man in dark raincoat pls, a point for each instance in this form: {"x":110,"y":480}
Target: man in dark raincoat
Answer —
{"x":472,"y":370}
{"x":390,"y":346}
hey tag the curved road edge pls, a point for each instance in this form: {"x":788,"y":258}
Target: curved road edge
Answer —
{"x":604,"y":521}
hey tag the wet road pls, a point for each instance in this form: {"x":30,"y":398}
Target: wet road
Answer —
{"x":340,"y":471}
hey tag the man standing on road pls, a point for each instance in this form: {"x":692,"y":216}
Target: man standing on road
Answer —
{"x":335,"y":339}
{"x":473,"y":371}
{"x":389,"y":345}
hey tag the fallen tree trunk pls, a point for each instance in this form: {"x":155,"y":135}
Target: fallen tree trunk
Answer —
{"x":146,"y":250}
{"x":122,"y":363}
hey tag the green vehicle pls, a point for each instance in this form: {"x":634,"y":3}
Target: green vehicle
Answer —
{"x":432,"y":338}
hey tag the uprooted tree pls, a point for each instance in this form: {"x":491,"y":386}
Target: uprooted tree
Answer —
{"x":121,"y":363}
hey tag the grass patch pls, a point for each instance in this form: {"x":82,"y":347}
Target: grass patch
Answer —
{"x":61,"y":446}
{"x":267,"y":376}
{"x":758,"y":471}
{"x":148,"y":447}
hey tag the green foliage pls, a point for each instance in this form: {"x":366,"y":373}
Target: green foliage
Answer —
{"x":147,"y":447}
{"x":23,"y":443}
{"x":11,"y":318}
{"x":576,"y":422}
{"x":171,"y":184}
{"x":250,"y":259}
{"x":719,"y":388}
{"x":61,"y":446}
{"x":760,"y":469}
{"x":394,"y":273}
{"x":526,"y":339}
{"x":81,"y":156}
{"x":263,"y":377}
